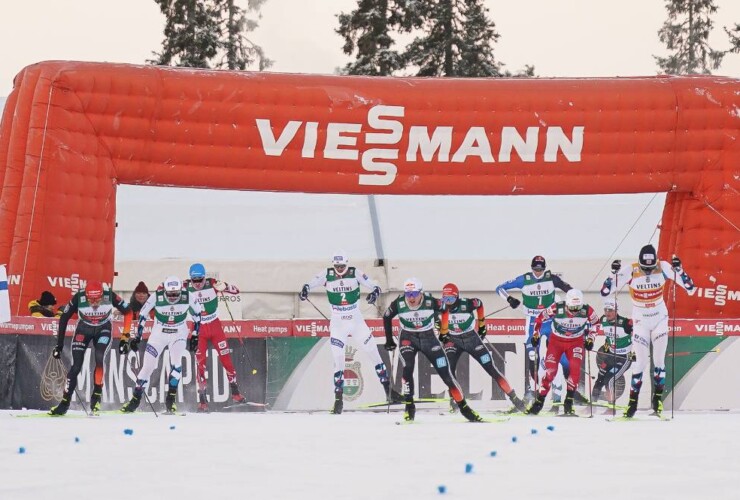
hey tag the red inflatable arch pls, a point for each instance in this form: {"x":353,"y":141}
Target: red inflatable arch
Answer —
{"x":71,"y":132}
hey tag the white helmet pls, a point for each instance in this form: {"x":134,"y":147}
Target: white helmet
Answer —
{"x":172,"y":289}
{"x":340,"y":261}
{"x":412,"y":286}
{"x":574,"y":299}
{"x":610,"y":303}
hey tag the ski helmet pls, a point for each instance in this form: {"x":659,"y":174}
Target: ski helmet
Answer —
{"x":340,"y":261}
{"x":450,"y":293}
{"x":538,"y":263}
{"x":197,"y":270}
{"x":94,"y":292}
{"x":610,"y":304}
{"x":172,"y":289}
{"x":648,"y":258}
{"x":412,"y":287}
{"x":574,"y":299}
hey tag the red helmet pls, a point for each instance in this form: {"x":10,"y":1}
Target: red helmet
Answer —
{"x":94,"y":291}
{"x":450,"y":293}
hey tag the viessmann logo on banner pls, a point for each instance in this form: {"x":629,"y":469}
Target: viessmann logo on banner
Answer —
{"x":439,"y":144}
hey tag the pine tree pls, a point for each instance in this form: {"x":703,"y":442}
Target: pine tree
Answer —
{"x":191,"y":33}
{"x":686,"y":36}
{"x":209,"y":34}
{"x":479,"y":35}
{"x":734,"y":35}
{"x":239,"y":51}
{"x":367,"y":30}
{"x":457,"y":40}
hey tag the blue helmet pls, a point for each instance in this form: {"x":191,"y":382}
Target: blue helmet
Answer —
{"x":197,"y":270}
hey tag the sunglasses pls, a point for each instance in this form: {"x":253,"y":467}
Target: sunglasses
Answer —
{"x":413,"y":294}
{"x":197,"y":280}
{"x":449,"y":299}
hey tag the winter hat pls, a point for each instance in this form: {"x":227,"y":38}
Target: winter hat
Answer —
{"x":47,"y":299}
{"x":141,"y":288}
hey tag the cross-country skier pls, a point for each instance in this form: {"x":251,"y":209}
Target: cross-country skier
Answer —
{"x":614,"y":357}
{"x":417,"y":313}
{"x":172,"y":304}
{"x":572,"y":320}
{"x":342,"y":283}
{"x":647,"y":280}
{"x":465,"y":320}
{"x":538,"y":293}
{"x":205,"y":291}
{"x":94,"y":305}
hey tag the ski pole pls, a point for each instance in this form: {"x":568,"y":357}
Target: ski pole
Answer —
{"x":496,"y":311}
{"x":390,"y":382}
{"x":77,"y":392}
{"x":317,"y":309}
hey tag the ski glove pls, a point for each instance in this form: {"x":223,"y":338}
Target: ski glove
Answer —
{"x":134,"y":344}
{"x":482,"y":331}
{"x":304,"y":292}
{"x":57,"y":352}
{"x":193,"y":342}
{"x":123,"y":346}
{"x":632,"y":356}
{"x":373,"y":296}
{"x":390,"y":344}
{"x":513,"y":302}
{"x":536,"y":339}
{"x":676,"y":263}
{"x":589,"y":343}
{"x":616,"y":266}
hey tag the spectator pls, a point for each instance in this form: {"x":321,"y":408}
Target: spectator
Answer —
{"x":138,"y":299}
{"x":43,"y":307}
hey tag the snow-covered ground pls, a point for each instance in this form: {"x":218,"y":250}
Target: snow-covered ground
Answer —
{"x":361,"y":455}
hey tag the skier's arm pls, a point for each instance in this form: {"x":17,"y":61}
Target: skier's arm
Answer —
{"x":144,"y":314}
{"x":196,"y":309}
{"x":515,"y":284}
{"x":125,"y":309}
{"x":670,"y":272}
{"x":223,"y":287}
{"x":623,"y":277}
{"x":69,"y":310}
{"x":480,"y":314}
{"x":388,"y":316}
{"x":316,"y":281}
{"x":559,"y":283}
{"x":541,"y":317}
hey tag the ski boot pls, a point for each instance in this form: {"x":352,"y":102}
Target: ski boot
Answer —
{"x":658,"y":403}
{"x":202,"y":402}
{"x":555,"y":408}
{"x":518,"y":403}
{"x":133,"y":403}
{"x":469,"y":413}
{"x":338,"y":404}
{"x":61,"y":409}
{"x":95,"y":400}
{"x":410,"y":410}
{"x":631,"y":406}
{"x":539,"y":402}
{"x":169,"y":401}
{"x":453,"y":405}
{"x":568,"y":404}
{"x":236,"y":396}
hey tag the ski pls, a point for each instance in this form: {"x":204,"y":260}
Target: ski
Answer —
{"x":660,"y":418}
{"x":489,"y":420}
{"x":46,"y":415}
{"x":421,"y":400}
{"x":248,"y":403}
{"x":599,"y":404}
